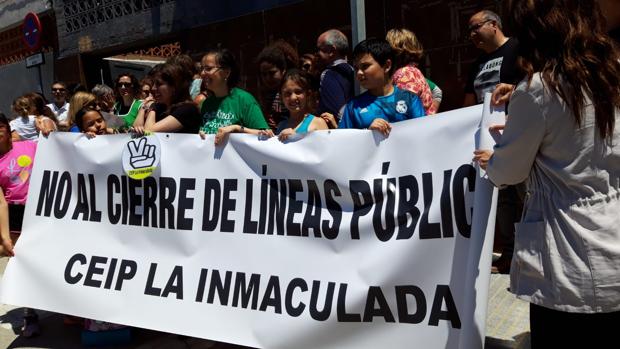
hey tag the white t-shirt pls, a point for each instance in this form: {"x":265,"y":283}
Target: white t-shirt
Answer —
{"x":25,"y":127}
{"x":61,"y":113}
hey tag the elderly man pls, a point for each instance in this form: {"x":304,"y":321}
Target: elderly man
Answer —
{"x":336,"y":87}
{"x":497,"y":65}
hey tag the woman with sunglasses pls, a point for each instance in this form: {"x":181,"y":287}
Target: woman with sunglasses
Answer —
{"x":127,"y":104}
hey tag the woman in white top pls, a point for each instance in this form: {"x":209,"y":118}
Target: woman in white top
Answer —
{"x":562,"y":137}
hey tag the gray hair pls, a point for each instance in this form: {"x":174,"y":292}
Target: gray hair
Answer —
{"x":101,"y":90}
{"x":492,"y":16}
{"x":336,"y":38}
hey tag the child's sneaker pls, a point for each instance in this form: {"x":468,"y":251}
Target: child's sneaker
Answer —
{"x":31,"y":326}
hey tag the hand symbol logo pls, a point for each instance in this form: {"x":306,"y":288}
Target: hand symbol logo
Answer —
{"x":141,"y":154}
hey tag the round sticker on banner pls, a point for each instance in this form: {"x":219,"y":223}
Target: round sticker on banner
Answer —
{"x":141,"y":156}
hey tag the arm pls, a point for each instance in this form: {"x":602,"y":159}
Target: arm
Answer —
{"x":7,"y":243}
{"x":330,"y":120}
{"x":45,"y":125}
{"x":515,"y":153}
{"x":223,"y":132}
{"x":167,"y":124}
{"x":15,"y":136}
{"x":142,"y":114}
{"x":437,"y":96}
{"x":318,"y":124}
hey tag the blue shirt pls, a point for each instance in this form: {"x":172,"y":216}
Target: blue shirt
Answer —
{"x":398,"y":106}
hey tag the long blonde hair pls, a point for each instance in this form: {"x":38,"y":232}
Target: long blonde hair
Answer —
{"x":79,"y":100}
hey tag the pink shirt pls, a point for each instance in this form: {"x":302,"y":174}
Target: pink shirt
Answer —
{"x":15,"y":170}
{"x":410,"y":78}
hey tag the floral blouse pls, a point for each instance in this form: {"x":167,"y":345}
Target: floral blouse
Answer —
{"x":410,"y":78}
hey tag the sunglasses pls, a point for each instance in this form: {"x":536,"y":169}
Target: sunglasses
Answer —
{"x":58,"y":90}
{"x":124,"y":84}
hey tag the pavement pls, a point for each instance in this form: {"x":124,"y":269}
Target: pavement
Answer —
{"x":507,"y":327}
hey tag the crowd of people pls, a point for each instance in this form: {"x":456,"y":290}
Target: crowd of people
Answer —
{"x":557,"y":162}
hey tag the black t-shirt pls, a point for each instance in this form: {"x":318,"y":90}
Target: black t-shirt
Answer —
{"x":615,"y":34}
{"x":186,"y":113}
{"x":499,"y":66}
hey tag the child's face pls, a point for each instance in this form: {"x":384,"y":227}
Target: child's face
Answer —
{"x":295,"y":98}
{"x":370,"y":73}
{"x":94,"y":122}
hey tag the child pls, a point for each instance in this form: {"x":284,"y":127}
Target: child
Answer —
{"x":16,"y":160}
{"x":91,"y":122}
{"x":383,"y":103}
{"x":23,"y":127}
{"x":298,"y":93}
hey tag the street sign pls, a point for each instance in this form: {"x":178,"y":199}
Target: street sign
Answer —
{"x":34,"y":60}
{"x":32,"y":31}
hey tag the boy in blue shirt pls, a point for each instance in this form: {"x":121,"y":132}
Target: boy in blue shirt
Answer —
{"x":383,"y":103}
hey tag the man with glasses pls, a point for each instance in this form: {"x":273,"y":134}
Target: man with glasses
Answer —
{"x":336,"y":85}
{"x":60,"y":106}
{"x":497,"y":65}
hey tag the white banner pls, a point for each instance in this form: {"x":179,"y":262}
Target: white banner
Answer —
{"x":339,"y":239}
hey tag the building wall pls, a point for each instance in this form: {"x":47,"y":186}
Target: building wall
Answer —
{"x":16,"y":80}
{"x":440,"y":25}
{"x":14,"y":11}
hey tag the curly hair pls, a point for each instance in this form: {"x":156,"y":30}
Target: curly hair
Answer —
{"x":281,"y":54}
{"x":407,"y":48}
{"x":565,"y":41}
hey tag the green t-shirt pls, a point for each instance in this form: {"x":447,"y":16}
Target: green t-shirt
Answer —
{"x":238,"y":108}
{"x":130,"y":114}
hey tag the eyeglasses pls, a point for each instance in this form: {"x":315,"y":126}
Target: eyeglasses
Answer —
{"x":58,"y":90}
{"x":210,"y":70}
{"x":124,"y":84}
{"x":477,"y":26}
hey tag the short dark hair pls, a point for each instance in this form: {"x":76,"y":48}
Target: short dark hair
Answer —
{"x":281,"y":54}
{"x":173,"y":75}
{"x":225,"y":59}
{"x":186,"y":62}
{"x":379,"y":49}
